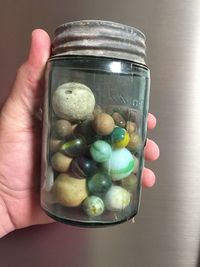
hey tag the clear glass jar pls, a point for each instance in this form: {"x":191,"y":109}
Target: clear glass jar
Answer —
{"x":94,"y":124}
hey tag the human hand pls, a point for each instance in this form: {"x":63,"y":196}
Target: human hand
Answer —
{"x":20,"y":143}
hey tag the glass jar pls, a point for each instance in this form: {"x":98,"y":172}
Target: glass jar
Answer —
{"x":94,"y":124}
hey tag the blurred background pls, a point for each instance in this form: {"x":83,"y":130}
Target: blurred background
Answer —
{"x":167,"y":228}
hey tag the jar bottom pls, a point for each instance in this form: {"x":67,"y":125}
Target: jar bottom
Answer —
{"x":88,"y":224}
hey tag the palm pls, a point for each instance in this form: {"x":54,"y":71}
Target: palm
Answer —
{"x":20,"y":164}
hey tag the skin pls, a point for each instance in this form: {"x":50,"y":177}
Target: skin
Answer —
{"x":20,"y":143}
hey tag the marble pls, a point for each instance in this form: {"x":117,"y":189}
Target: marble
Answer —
{"x":69,"y":191}
{"x":74,"y":145}
{"x":83,"y":167}
{"x":119,"y":137}
{"x":120,"y":165}
{"x":100,"y":151}
{"x":60,"y":162}
{"x":99,"y":183}
{"x":73,"y":101}
{"x":103,"y":124}
{"x":93,"y":206}
{"x":117,"y":198}
{"x":85,"y":129}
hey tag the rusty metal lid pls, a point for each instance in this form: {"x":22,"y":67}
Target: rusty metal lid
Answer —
{"x":99,"y":38}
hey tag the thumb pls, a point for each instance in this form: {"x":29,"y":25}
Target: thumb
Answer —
{"x":27,"y":91}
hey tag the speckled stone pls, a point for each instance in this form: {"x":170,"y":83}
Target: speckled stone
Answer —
{"x":117,"y":198}
{"x":73,"y":101}
{"x":69,"y":191}
{"x":93,"y":206}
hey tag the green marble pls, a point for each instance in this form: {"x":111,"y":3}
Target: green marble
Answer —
{"x":99,"y":183}
{"x":74,"y":145}
{"x":100,"y":151}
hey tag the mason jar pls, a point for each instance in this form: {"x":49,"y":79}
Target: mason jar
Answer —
{"x":94,"y":123}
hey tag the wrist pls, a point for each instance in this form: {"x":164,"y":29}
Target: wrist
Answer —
{"x":6,"y":225}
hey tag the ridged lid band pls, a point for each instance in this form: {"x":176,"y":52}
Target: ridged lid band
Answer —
{"x":99,"y":38}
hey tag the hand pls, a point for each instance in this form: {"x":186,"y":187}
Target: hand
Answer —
{"x":20,"y":143}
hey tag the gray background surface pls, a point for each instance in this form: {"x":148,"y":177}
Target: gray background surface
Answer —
{"x":167,"y":229}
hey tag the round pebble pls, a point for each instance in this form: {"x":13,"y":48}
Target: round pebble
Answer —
{"x":117,"y":198}
{"x":97,"y":110}
{"x":73,"y":101}
{"x":120,"y":165}
{"x":103,"y":124}
{"x":130,"y":183}
{"x":119,"y":137}
{"x":60,"y":162}
{"x":100,"y":151}
{"x":93,"y":206}
{"x":54,"y":145}
{"x":135,"y":142}
{"x":62,"y":128}
{"x":70,"y":191}
{"x":83,"y":167}
{"x":75,"y":145}
{"x":136,"y":166}
{"x":119,"y":120}
{"x":131,"y":127}
{"x":99,"y":183}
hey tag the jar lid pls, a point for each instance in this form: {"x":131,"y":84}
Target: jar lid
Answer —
{"x":99,"y":38}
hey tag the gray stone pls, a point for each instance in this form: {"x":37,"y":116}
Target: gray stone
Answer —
{"x":73,"y":101}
